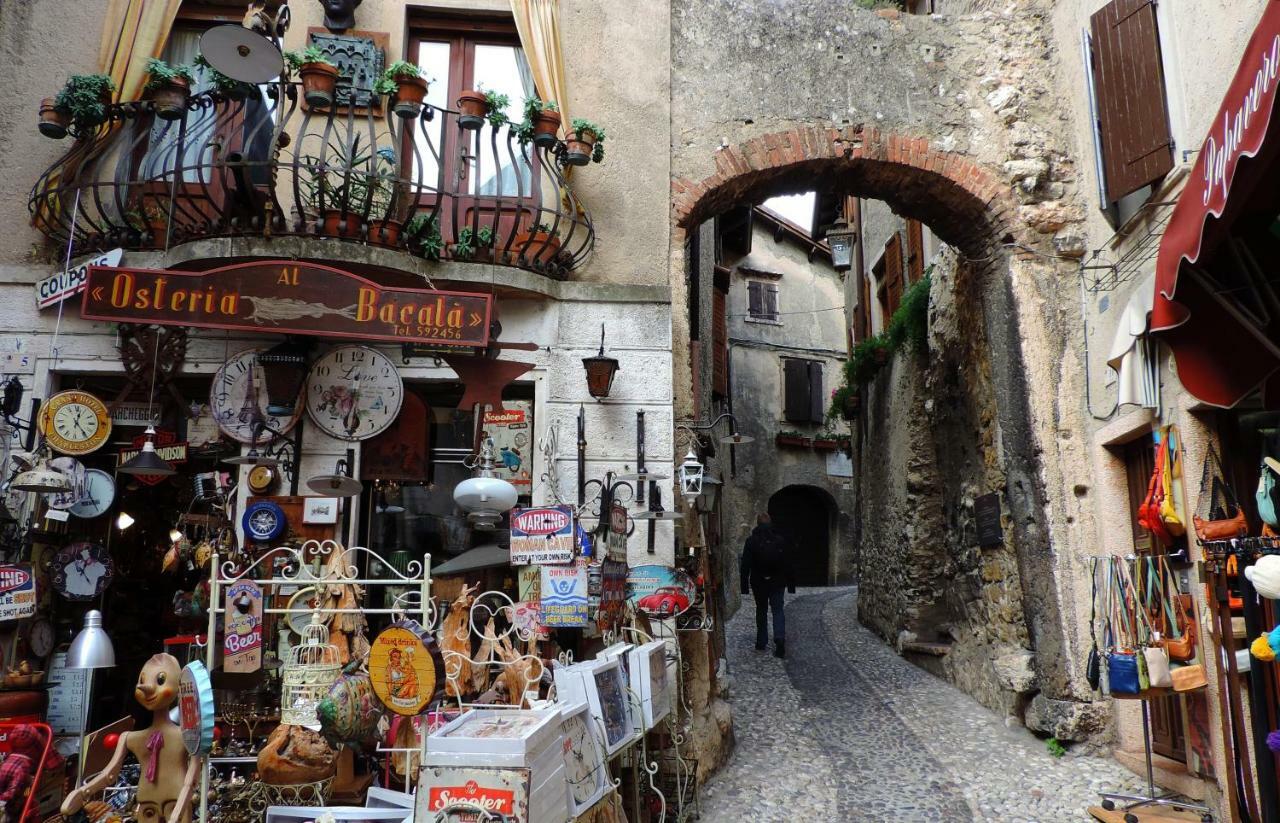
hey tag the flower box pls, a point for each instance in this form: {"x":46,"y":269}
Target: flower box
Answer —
{"x":794,"y":441}
{"x":825,"y":445}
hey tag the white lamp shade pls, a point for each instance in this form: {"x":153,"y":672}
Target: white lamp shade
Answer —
{"x":92,"y":648}
{"x":485,"y":499}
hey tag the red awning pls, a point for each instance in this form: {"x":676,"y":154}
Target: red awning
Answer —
{"x":1221,"y":356}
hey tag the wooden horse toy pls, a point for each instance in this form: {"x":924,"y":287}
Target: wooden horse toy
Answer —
{"x":169,"y":775}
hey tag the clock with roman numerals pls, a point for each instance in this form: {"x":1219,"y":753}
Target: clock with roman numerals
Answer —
{"x":238,"y":398}
{"x":74,"y":422}
{"x":354,"y":392}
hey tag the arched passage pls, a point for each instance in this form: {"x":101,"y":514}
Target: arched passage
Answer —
{"x":807,"y":516}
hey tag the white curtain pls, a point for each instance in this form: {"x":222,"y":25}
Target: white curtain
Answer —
{"x":162,"y":156}
{"x":1134,"y":356}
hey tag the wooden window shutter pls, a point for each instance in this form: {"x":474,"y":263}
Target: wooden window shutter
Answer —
{"x":862,"y":314}
{"x":755,"y":299}
{"x":796,"y":402}
{"x":915,"y":251}
{"x":771,"y":300}
{"x":720,"y":345}
{"x":1133,"y":117}
{"x":893,"y":275}
{"x":817,"y":408}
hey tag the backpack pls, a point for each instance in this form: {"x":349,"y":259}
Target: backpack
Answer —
{"x":770,"y":554}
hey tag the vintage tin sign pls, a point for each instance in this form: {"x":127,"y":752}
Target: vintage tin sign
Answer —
{"x":195,"y":708}
{"x":406,"y":668}
{"x":660,"y":591}
{"x":512,"y":433}
{"x":58,"y":287}
{"x":564,"y":596}
{"x":462,"y":793}
{"x":542,"y":536}
{"x":242,"y":643}
{"x":17,"y":592}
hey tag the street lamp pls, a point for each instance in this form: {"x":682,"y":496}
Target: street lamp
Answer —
{"x":841,"y":238}
{"x":710,"y":497}
{"x":691,"y":477}
{"x":600,"y":371}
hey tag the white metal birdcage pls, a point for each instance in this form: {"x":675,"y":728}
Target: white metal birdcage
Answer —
{"x":313,"y":667}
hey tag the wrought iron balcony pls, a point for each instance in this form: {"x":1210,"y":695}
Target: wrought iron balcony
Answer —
{"x":267,"y":164}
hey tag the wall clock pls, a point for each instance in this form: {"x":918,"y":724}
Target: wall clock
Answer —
{"x":354,"y":392}
{"x":238,"y":398}
{"x":263,"y":521}
{"x":82,"y":571}
{"x":74,"y":422}
{"x":76,"y":475}
{"x":262,"y":479}
{"x":41,"y":637}
{"x":98,"y":495}
{"x":583,"y":761}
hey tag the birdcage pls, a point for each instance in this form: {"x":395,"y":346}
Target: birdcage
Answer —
{"x":313,"y":667}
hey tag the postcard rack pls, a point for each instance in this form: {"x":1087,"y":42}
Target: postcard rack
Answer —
{"x":297,"y":574}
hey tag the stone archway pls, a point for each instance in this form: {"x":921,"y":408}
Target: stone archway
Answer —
{"x":807,"y":515}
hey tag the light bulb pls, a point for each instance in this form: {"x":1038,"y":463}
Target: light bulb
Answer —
{"x":123,"y":521}
{"x":175,"y":535}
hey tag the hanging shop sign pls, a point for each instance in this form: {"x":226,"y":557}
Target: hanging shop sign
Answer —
{"x":660,"y":591}
{"x":17,"y":592}
{"x":613,"y":593}
{"x":512,"y":430}
{"x":195,"y":708}
{"x":135,"y":414}
{"x":287,"y":297}
{"x":167,"y":447}
{"x":564,"y":596}
{"x":986,"y":516}
{"x":242,"y":641}
{"x":58,"y":287}
{"x":542,"y":535}
{"x":616,"y":543}
{"x":406,"y":668}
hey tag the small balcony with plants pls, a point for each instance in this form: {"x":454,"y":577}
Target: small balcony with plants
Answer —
{"x":296,"y":157}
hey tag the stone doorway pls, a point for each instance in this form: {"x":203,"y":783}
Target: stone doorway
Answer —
{"x":805,"y":515}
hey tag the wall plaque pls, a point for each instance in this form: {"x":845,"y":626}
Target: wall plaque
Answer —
{"x":360,"y":57}
{"x":287,"y":296}
{"x":986,"y":515}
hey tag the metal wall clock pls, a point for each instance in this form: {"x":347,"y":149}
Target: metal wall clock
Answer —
{"x":98,"y":495}
{"x":238,"y":399}
{"x":263,"y":521}
{"x":82,"y":571}
{"x":74,"y":422}
{"x":354,"y":392}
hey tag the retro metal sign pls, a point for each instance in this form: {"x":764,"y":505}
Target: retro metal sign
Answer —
{"x":287,"y":296}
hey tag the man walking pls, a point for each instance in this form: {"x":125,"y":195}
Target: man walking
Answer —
{"x":766,"y":570}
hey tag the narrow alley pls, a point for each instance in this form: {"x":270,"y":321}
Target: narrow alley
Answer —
{"x":845,"y":729}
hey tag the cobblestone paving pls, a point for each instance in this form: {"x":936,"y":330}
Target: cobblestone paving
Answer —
{"x":846,"y":730}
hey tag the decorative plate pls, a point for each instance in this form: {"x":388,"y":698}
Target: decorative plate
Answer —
{"x":82,"y":571}
{"x":406,"y":667}
{"x":263,"y":521}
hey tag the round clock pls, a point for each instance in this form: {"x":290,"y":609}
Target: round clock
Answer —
{"x":41,"y":638}
{"x":74,"y":422}
{"x":262,"y":479}
{"x":354,"y":393}
{"x":76,"y":475}
{"x":238,"y":399}
{"x":583,"y":761}
{"x":82,"y":571}
{"x":98,"y":495}
{"x":263,"y":521}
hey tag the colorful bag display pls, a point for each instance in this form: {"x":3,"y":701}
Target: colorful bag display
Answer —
{"x":1169,"y":514}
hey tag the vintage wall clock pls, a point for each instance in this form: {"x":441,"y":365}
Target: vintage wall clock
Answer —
{"x":98,"y":495}
{"x":76,"y":475}
{"x":74,"y":422}
{"x":82,"y":571}
{"x":354,"y":392}
{"x":41,"y":637}
{"x":262,"y":479}
{"x":263,"y":521}
{"x":584,"y":767}
{"x":238,"y":398}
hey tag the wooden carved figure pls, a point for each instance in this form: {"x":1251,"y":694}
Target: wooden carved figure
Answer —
{"x":455,"y":636}
{"x":168,"y":774}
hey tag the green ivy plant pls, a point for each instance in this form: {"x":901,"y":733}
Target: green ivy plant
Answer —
{"x":163,"y":74}
{"x":909,"y":325}
{"x":496,"y":108}
{"x":388,"y":82}
{"x":311,"y":54}
{"x":582,"y":126}
{"x":82,"y":97}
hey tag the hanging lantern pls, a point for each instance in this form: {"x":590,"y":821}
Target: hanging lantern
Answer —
{"x":147,"y":461}
{"x":284,"y":366}
{"x":691,"y":472}
{"x":841,"y":238}
{"x":485,"y":496}
{"x":600,"y":371}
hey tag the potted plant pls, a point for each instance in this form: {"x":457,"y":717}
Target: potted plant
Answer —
{"x":406,"y":85}
{"x":151,"y":219}
{"x":469,"y":243}
{"x":827,"y":441}
{"x":585,"y":143}
{"x":54,"y":120}
{"x":793,"y":438}
{"x":476,"y":106}
{"x":423,"y":233}
{"x":318,"y":73}
{"x":539,"y":244}
{"x":346,"y":189}
{"x":232,"y":89}
{"x":86,"y":98}
{"x":541,"y":124}
{"x":170,"y":88}
{"x":845,"y":403}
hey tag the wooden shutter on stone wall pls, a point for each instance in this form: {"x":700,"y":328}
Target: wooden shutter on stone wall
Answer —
{"x":892,"y":285}
{"x":796,"y":401}
{"x":915,"y":251}
{"x":755,"y":298}
{"x":862,"y":314}
{"x":1133,"y":117}
{"x":719,"y":344}
{"x":817,"y":408}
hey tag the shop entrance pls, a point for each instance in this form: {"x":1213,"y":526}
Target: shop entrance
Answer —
{"x":804,"y":514}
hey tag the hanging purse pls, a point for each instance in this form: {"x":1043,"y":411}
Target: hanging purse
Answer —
{"x":1154,"y":656}
{"x":1122,"y":664}
{"x":1266,"y":506}
{"x":1185,"y":640}
{"x":1149,"y":511}
{"x":1189,"y":678}
{"x":1157,"y":662}
{"x":1225,"y":517}
{"x":1169,"y":516}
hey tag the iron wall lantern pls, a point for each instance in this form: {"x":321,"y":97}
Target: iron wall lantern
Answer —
{"x":841,"y":239}
{"x":600,"y":371}
{"x":691,"y":475}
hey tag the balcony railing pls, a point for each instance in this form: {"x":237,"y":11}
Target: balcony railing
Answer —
{"x":268,"y":165}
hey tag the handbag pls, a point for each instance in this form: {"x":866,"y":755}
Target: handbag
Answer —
{"x":1149,"y":511}
{"x":1266,"y":505}
{"x":1157,"y":662}
{"x":1189,"y":678}
{"x":1122,"y":673}
{"x":1169,"y":516}
{"x":1122,"y":664}
{"x":1225,"y":518}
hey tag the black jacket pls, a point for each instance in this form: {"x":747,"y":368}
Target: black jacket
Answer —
{"x":755,"y":578}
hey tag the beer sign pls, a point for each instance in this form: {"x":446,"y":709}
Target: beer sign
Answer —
{"x":242,"y":640}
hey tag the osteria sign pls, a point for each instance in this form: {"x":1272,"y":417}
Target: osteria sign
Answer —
{"x":287,"y":296}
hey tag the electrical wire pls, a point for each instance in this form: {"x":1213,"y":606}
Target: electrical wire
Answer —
{"x":788,"y":313}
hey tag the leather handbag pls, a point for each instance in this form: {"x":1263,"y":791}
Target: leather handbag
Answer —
{"x":1169,"y":515}
{"x":1183,"y":647}
{"x":1225,"y":517}
{"x":1122,"y":664}
{"x":1189,"y":678}
{"x":1149,"y":511}
{"x":1122,"y":673}
{"x":1157,"y":661}
{"x":1266,"y":504}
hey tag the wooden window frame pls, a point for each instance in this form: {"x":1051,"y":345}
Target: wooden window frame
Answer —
{"x":802,"y":394}
{"x":766,"y":288}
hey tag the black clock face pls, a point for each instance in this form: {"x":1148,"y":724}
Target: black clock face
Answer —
{"x":354,"y":393}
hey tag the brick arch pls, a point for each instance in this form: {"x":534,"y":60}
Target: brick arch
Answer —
{"x":962,"y":202}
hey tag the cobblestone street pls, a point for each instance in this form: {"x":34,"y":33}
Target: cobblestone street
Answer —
{"x":844,"y":729}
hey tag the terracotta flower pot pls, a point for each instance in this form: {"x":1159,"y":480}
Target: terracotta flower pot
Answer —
{"x":825,"y":445}
{"x":170,"y":99}
{"x":882,"y":356}
{"x":318,"y":82}
{"x":53,"y":120}
{"x":332,"y":224}
{"x":472,"y":109}
{"x":159,"y":229}
{"x":385,"y":232}
{"x":546,"y":127}
{"x":409,"y":96}
{"x":542,"y":246}
{"x":580,"y":146}
{"x":852,"y":405}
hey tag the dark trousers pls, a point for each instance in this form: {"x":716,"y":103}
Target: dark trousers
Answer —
{"x":769,"y":599}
